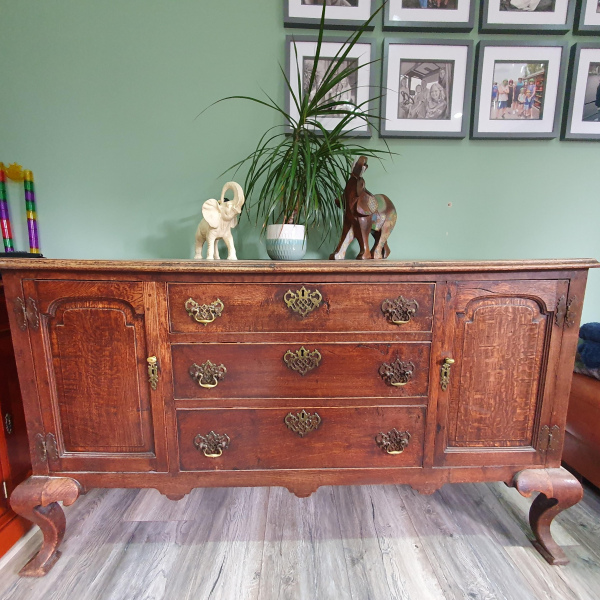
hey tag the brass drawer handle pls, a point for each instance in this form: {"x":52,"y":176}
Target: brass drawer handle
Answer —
{"x":212,"y":445}
{"x":152,"y":371}
{"x":302,"y":361}
{"x":204,"y":313}
{"x":303,"y":301}
{"x":208,"y":375}
{"x":393,"y":442}
{"x":302,"y":422}
{"x":400,"y":310}
{"x":445,"y":373}
{"x":397,"y":373}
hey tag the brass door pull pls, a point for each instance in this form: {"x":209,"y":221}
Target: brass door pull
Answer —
{"x":152,"y":371}
{"x":445,"y":373}
{"x":212,"y":444}
{"x":303,"y":301}
{"x":398,"y":373}
{"x":302,"y":422}
{"x":302,"y":361}
{"x":393,"y":442}
{"x":400,"y":310}
{"x":208,"y":375}
{"x":204,"y":313}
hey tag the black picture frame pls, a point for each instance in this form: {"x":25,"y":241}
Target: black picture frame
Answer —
{"x":580,"y":19}
{"x":330,"y":23}
{"x":367,"y":133}
{"x":572,"y":92}
{"x":486,"y":26}
{"x":482,"y":46}
{"x":385,"y":131}
{"x":428,"y":26}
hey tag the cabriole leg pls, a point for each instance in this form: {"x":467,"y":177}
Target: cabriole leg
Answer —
{"x":36,"y":500}
{"x":558,"y":490}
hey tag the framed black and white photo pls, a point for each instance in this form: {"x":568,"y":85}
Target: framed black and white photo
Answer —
{"x":539,"y":16}
{"x":424,"y":88}
{"x":519,"y":89}
{"x":429,"y":15}
{"x":588,"y":17}
{"x":357,"y":89}
{"x":582,"y":116}
{"x":339,"y":14}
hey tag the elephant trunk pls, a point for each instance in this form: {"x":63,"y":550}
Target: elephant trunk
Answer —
{"x":238,"y":195}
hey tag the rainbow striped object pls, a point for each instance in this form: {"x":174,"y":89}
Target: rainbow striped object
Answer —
{"x":34,"y":242}
{"x":4,"y":217}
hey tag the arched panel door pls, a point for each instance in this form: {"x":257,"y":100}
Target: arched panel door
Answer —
{"x":92,"y":344}
{"x":495,"y":405}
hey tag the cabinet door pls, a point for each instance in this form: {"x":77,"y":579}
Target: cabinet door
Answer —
{"x":90,"y":349}
{"x":505,"y":343}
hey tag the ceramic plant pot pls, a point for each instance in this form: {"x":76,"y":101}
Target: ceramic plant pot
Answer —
{"x":286,"y":242}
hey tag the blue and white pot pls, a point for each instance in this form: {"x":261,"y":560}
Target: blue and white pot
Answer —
{"x":286,"y":242}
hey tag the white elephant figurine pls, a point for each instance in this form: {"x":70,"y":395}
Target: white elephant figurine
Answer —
{"x":220,"y":217}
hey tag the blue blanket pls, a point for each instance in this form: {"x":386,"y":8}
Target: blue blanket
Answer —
{"x":587,"y":360}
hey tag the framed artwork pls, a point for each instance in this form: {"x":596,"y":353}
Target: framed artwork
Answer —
{"x":424,"y":88}
{"x":339,"y":14}
{"x":582,"y":115}
{"x":429,"y":15}
{"x":588,"y":17}
{"x":519,"y":89}
{"x":540,"y":16}
{"x":358,"y":89}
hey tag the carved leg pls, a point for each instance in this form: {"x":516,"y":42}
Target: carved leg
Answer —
{"x":383,"y":250}
{"x":559,"y":490}
{"x":36,"y":500}
{"x":362,"y":229}
{"x":200,"y":239}
{"x":345,"y":241}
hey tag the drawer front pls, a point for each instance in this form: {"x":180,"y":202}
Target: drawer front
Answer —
{"x":328,"y":307}
{"x":322,"y":370}
{"x":261,"y":439}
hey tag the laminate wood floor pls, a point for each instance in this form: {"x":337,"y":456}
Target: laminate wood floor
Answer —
{"x":466,"y":541}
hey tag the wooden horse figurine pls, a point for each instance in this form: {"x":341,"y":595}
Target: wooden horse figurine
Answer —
{"x":365,"y":213}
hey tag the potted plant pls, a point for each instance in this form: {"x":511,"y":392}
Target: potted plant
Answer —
{"x":298,"y":171}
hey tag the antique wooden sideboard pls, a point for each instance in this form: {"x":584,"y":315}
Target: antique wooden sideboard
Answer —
{"x":176,"y":375}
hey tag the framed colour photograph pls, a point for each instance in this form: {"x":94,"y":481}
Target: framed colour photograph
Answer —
{"x":339,"y":14}
{"x":424,"y":88}
{"x":588,"y":17}
{"x":539,"y":16}
{"x":358,"y":89}
{"x":429,"y":15}
{"x":582,"y":116}
{"x":519,"y":90}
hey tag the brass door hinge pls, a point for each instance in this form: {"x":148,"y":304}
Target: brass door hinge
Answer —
{"x":549,"y":439}
{"x":566,"y":311}
{"x":27,"y":313}
{"x":46,"y":447}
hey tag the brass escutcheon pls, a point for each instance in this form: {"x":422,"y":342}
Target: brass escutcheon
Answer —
{"x":208,"y":375}
{"x":152,"y":371}
{"x":212,"y":444}
{"x":400,"y":310}
{"x":393,"y":442}
{"x":204,"y":313}
{"x":398,"y":373}
{"x":302,"y":422}
{"x":302,"y":361}
{"x":445,"y":373}
{"x":303,"y":301}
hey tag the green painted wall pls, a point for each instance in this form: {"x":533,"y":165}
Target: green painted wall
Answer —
{"x":100,"y":98}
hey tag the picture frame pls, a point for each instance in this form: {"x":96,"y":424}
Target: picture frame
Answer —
{"x":588,"y":17}
{"x":582,"y":111}
{"x":532,"y":109}
{"x":429,"y":15}
{"x":339,"y":14}
{"x":426,"y":88}
{"x":548,"y":17}
{"x":361,"y":90}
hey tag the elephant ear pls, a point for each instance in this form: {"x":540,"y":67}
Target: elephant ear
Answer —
{"x":211,"y":211}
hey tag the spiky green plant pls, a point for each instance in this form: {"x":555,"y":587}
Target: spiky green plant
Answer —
{"x":299,"y":169}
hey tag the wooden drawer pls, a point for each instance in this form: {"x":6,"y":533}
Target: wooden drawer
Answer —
{"x":344,"y":370}
{"x":342,"y":307}
{"x":260,"y":438}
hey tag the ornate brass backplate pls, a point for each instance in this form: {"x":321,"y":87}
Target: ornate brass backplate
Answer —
{"x":445,"y":373}
{"x":303,"y":301}
{"x":20,"y":313}
{"x":8,"y":423}
{"x":208,"y":375}
{"x":152,"y":371}
{"x":212,"y":444}
{"x":400,"y":310}
{"x":302,"y":422}
{"x":393,"y":442}
{"x":204,"y":313}
{"x":302,"y":361}
{"x":397,"y":373}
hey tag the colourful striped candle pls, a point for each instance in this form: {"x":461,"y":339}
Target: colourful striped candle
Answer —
{"x":34,"y":242}
{"x":4,"y":218}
